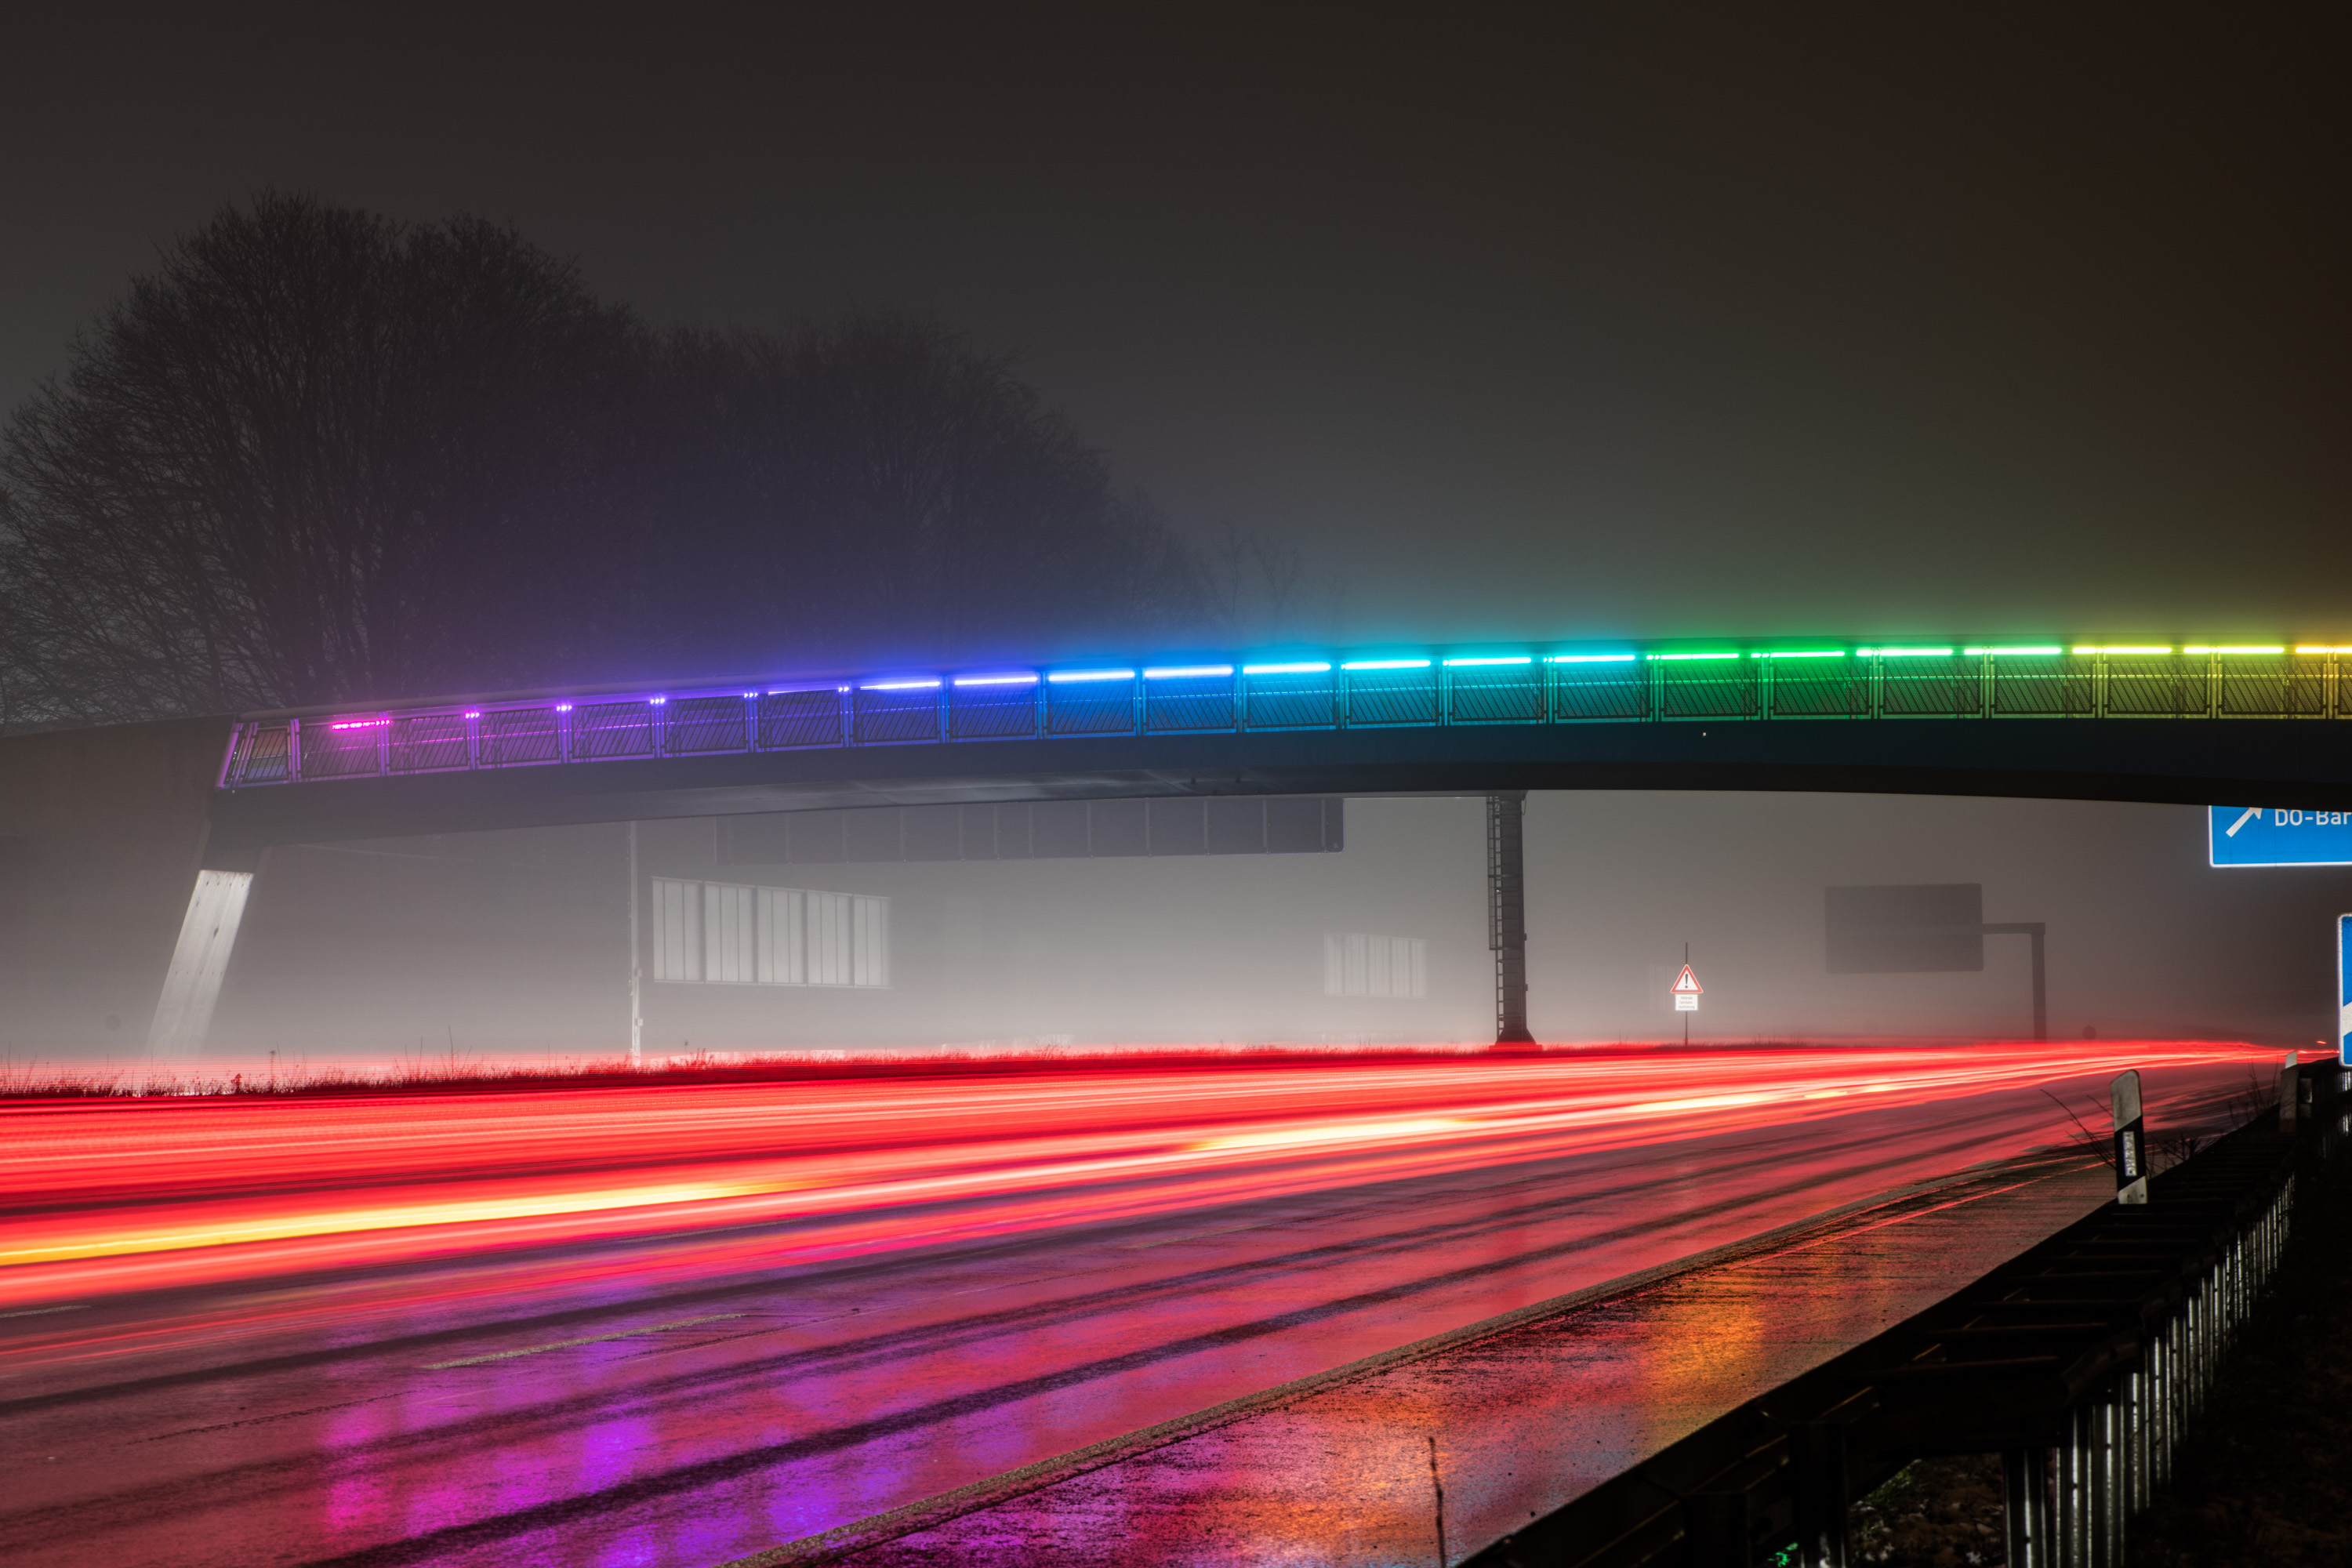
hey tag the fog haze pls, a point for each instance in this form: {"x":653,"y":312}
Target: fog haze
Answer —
{"x":497,"y":944}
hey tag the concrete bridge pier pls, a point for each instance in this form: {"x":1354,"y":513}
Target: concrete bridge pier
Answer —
{"x":1507,"y":914}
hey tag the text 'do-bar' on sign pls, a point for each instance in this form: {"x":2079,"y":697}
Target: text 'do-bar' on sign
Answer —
{"x":2277,"y":835}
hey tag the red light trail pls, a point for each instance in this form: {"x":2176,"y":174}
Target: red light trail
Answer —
{"x":128,"y":1194}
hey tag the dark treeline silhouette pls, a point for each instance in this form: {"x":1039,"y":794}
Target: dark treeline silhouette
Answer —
{"x":318,"y":457}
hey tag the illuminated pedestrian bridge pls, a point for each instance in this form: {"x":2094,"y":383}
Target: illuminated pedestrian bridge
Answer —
{"x":1380,"y":691}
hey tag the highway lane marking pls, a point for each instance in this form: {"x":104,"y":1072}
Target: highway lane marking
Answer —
{"x":583,"y":1339}
{"x":37,"y":1311}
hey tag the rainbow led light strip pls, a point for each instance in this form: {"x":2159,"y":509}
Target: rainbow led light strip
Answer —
{"x":1388,"y":686}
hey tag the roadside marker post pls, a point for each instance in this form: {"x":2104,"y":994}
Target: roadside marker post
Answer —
{"x":1686,"y":990}
{"x":2131,"y":1153}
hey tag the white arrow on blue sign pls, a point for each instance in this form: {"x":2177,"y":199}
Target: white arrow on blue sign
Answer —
{"x":2274,"y":835}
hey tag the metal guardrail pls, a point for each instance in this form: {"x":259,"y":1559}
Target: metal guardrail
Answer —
{"x":2083,"y":1363}
{"x":1647,"y":683}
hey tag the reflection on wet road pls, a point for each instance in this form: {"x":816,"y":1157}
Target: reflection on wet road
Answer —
{"x":683,"y":1325}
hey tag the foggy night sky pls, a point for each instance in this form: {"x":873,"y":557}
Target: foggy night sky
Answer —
{"x":1648,"y":321}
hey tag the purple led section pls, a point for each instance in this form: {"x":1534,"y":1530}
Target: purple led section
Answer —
{"x":361,"y":724}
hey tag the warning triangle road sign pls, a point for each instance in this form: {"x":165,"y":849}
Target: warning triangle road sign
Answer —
{"x":1688,"y":984}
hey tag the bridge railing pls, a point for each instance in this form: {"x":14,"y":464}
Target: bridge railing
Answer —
{"x":1644,"y":684}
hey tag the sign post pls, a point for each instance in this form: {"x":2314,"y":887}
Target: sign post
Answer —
{"x":2131,"y":1153}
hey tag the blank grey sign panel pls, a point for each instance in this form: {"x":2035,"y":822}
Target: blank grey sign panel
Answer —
{"x":1178,"y":827}
{"x":1907,"y":929}
{"x":1057,"y":829}
{"x":1013,"y":832}
{"x":816,"y":837}
{"x":1120,"y":827}
{"x":979,"y":833}
{"x":762,"y":840}
{"x":934,"y":832}
{"x":872,"y":835}
{"x":1294,"y":823}
{"x":1237,"y":825}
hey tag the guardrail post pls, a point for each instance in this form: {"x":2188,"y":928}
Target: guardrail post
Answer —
{"x":2025,"y":1501}
{"x":2073,"y":1535}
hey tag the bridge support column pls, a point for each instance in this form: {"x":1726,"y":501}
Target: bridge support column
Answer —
{"x":199,"y":962}
{"x":1507,"y":914}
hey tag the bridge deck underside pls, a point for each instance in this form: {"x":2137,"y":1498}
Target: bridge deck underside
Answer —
{"x":2250,"y":762}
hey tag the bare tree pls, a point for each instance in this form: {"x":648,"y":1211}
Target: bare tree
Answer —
{"x":320,"y":458}
{"x":315,"y":456}
{"x":877,"y":488}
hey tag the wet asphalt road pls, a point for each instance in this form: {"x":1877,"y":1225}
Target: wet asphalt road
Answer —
{"x":655,"y":1400}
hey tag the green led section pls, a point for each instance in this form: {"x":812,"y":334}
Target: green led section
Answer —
{"x":1678,"y":655}
{"x":1801,"y":653}
{"x":1907,"y":652}
{"x":2036,"y":652}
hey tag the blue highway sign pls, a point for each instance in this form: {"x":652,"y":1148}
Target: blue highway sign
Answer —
{"x":2274,"y":835}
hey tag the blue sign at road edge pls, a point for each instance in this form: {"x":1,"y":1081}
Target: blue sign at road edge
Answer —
{"x":2277,"y":836}
{"x":2344,"y":988}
